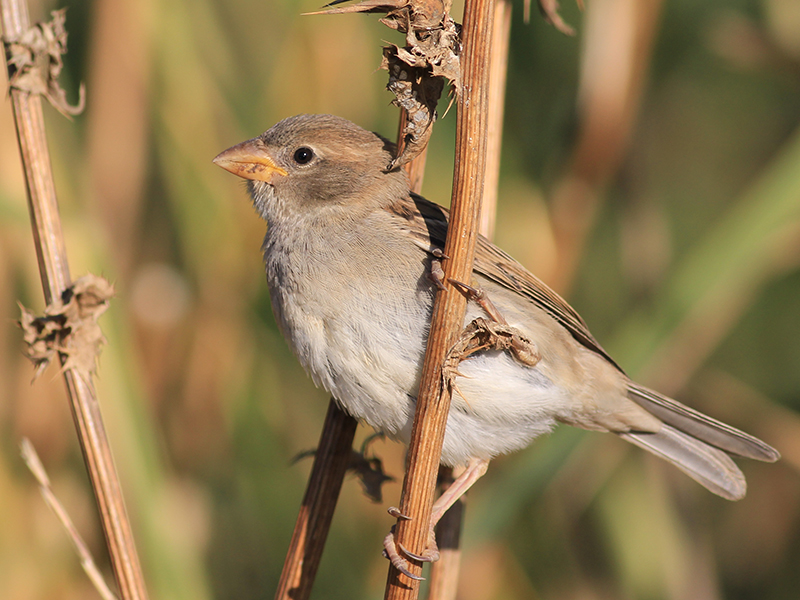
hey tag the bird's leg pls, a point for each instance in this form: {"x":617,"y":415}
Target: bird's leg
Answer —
{"x":395,"y":551}
{"x":495,"y":335}
{"x":482,"y":299}
{"x":476,"y":468}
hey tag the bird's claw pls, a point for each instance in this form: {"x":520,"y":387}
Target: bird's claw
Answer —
{"x":399,"y":563}
{"x":502,"y":336}
{"x":431,"y":553}
{"x":395,"y":552}
{"x":437,"y":274}
{"x":395,"y":512}
{"x":393,"y":549}
{"x":481,"y":335}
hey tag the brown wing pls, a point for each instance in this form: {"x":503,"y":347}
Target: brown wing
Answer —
{"x":427,"y":222}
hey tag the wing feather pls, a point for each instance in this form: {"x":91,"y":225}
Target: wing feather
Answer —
{"x":427,"y":222}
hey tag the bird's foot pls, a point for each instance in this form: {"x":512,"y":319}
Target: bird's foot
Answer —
{"x":482,"y":334}
{"x":398,"y":554}
{"x":496,"y":334}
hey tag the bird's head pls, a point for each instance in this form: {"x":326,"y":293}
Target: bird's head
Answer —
{"x":312,"y":164}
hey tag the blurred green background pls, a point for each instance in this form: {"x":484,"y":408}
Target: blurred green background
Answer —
{"x":651,"y":173}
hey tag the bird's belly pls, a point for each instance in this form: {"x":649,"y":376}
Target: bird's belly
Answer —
{"x":370,"y":360}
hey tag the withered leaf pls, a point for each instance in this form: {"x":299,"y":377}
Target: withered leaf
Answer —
{"x":368,"y":469}
{"x":69,"y":327}
{"x":367,"y":6}
{"x":370,"y":473}
{"x":416,"y":92}
{"x":417,"y":72}
{"x":34,"y":59}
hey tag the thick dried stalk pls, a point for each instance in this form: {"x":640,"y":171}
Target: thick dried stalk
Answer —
{"x":316,"y":511}
{"x":433,"y":403}
{"x":54,"y":271}
{"x":445,"y":573}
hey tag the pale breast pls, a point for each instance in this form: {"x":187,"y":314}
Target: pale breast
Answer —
{"x":357,"y":319}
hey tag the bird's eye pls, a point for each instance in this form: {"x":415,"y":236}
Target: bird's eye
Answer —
{"x":303,"y":155}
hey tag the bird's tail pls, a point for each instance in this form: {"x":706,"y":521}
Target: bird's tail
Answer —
{"x":697,"y":444}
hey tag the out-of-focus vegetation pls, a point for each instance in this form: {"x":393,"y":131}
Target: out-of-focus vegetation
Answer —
{"x":651,"y":171}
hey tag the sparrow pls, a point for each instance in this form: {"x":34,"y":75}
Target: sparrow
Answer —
{"x":349,"y":254}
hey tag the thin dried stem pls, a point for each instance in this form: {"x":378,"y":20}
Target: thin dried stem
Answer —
{"x":433,"y":402}
{"x":31,"y":459}
{"x":54,"y":271}
{"x":445,"y":572}
{"x":498,"y":68}
{"x":316,"y":511}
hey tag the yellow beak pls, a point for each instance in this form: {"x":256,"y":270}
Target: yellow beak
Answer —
{"x":249,"y":161}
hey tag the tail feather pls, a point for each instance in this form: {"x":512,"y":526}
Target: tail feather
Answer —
{"x":700,"y":426}
{"x":705,"y":464}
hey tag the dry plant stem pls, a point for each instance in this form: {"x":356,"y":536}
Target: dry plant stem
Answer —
{"x":54,"y":271}
{"x":444,"y":573}
{"x":498,"y":68}
{"x":316,"y":511}
{"x":449,"y":307}
{"x":31,"y":458}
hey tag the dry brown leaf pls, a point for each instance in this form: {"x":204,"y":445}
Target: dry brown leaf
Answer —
{"x":368,"y":469}
{"x":418,"y":93}
{"x":370,"y":473}
{"x":69,"y":327}
{"x":417,"y":72}
{"x":367,"y":6}
{"x":34,"y":60}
